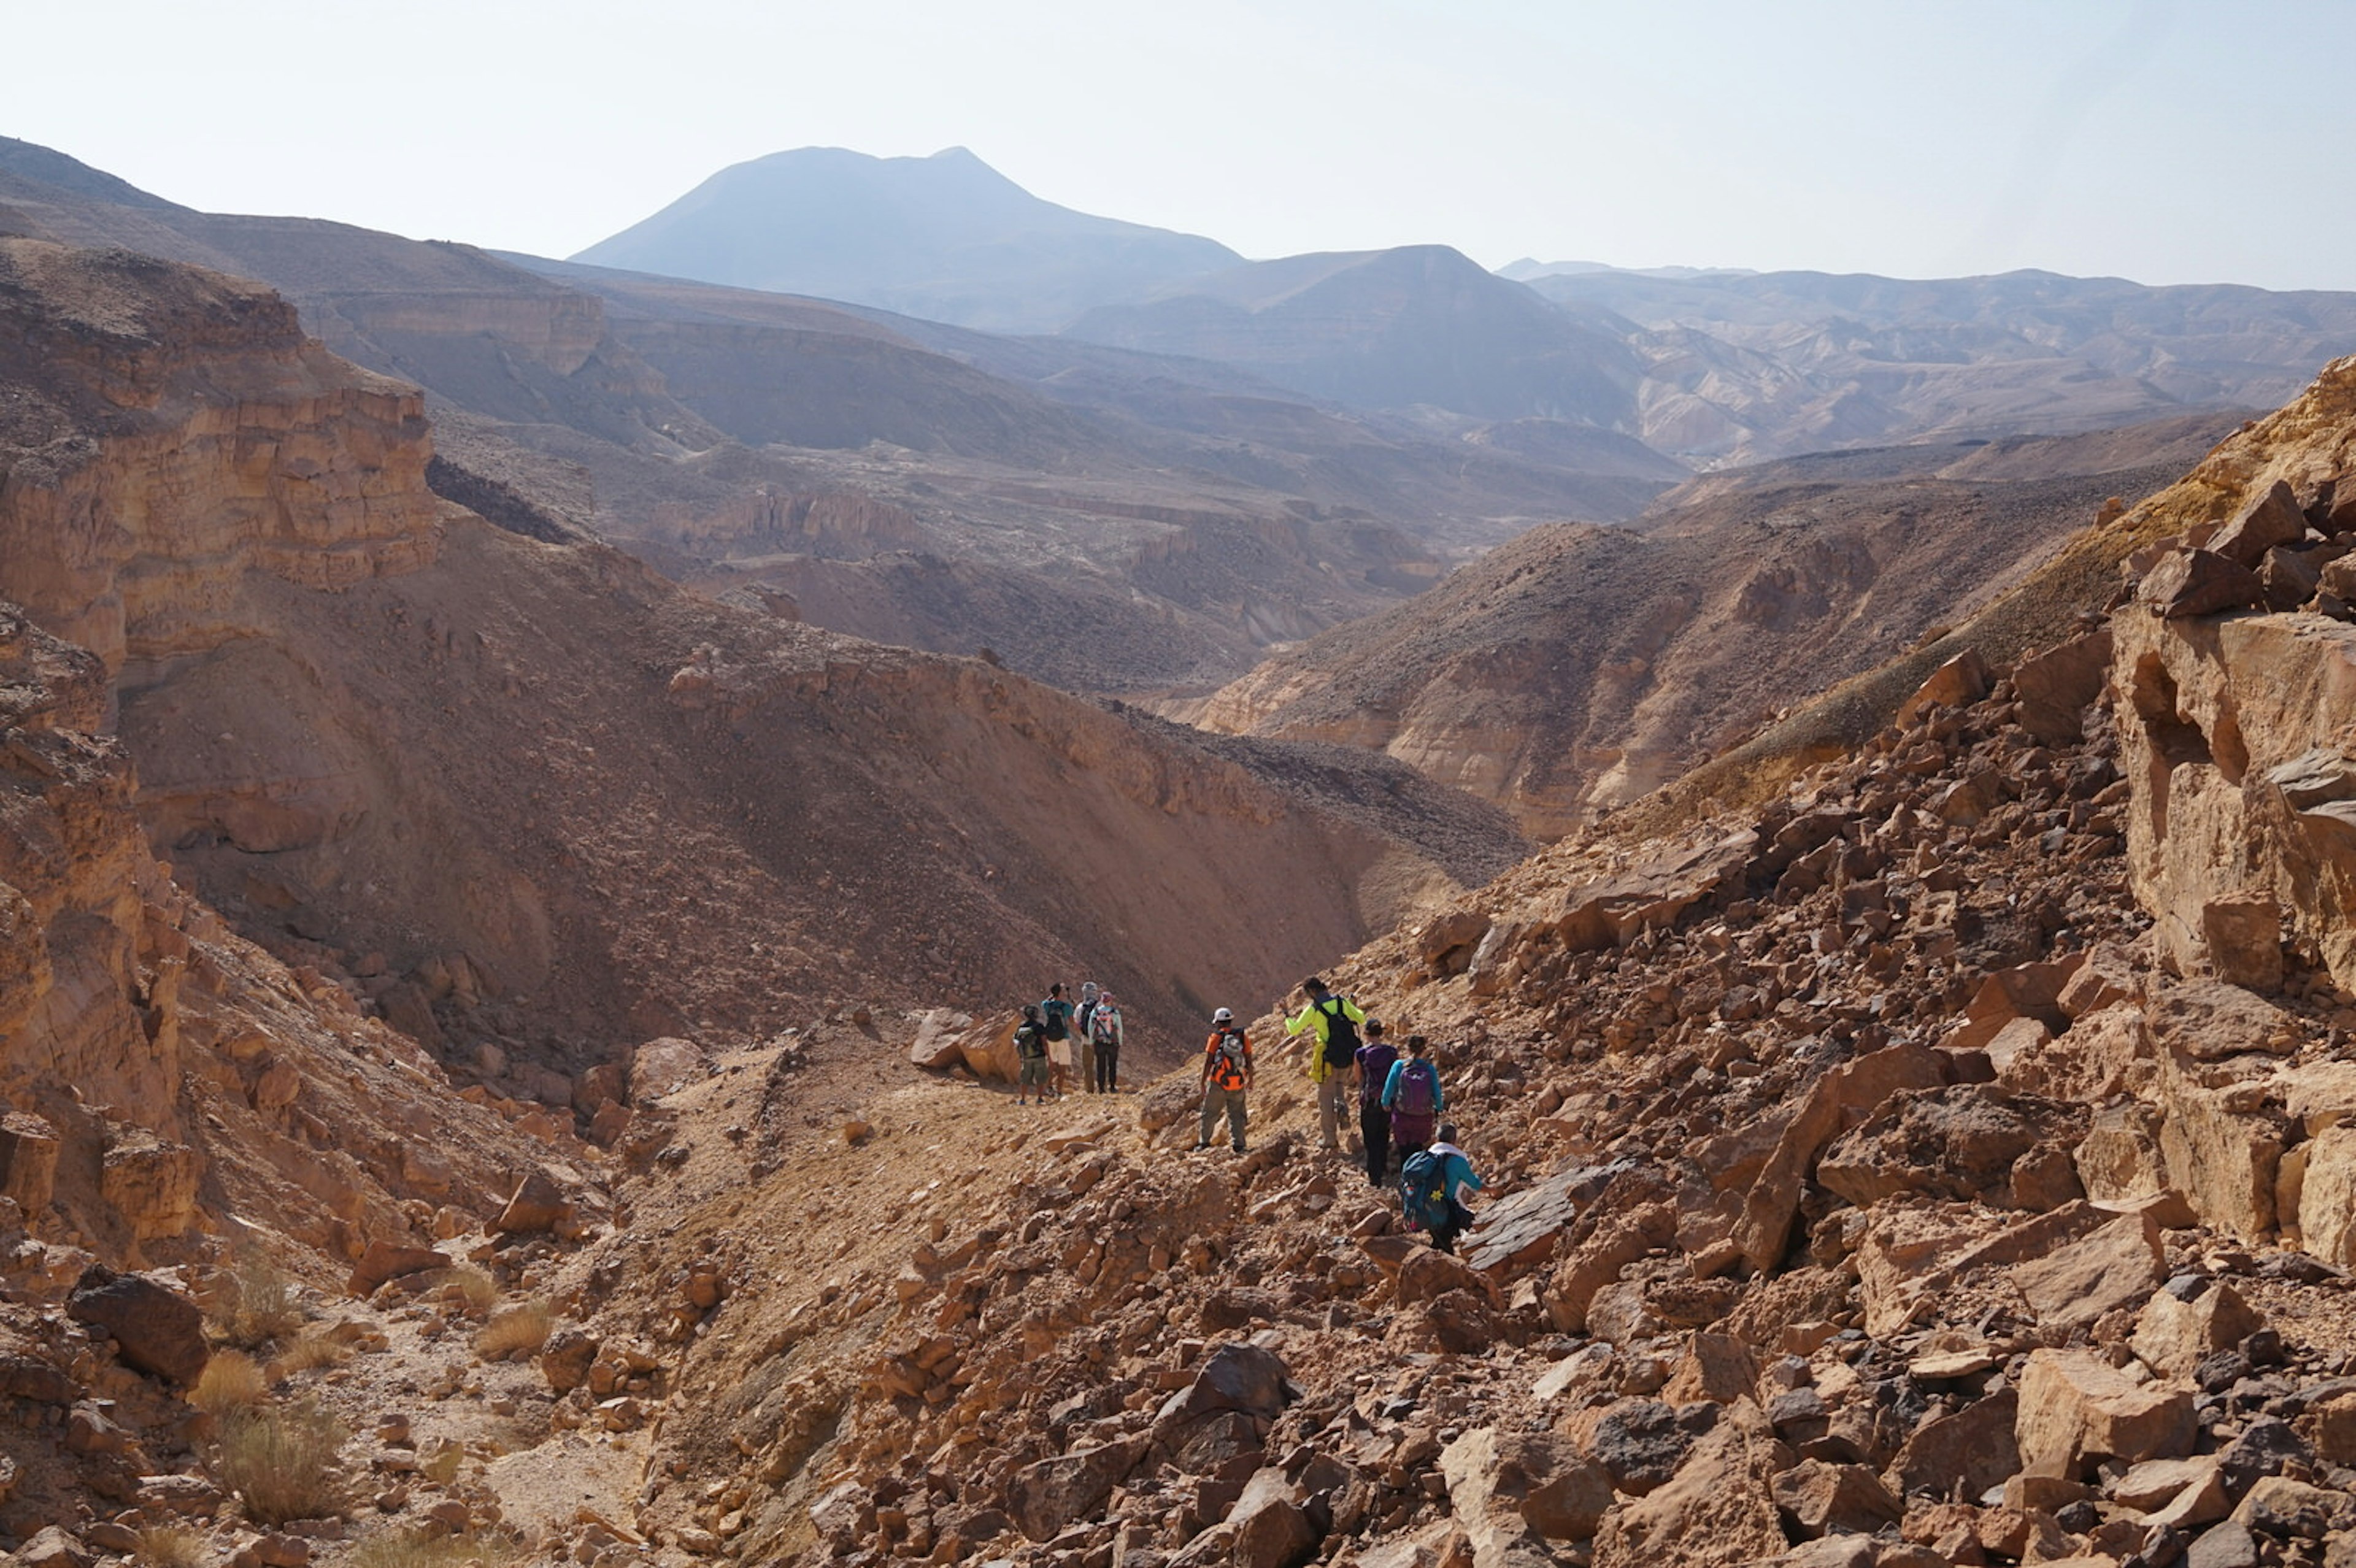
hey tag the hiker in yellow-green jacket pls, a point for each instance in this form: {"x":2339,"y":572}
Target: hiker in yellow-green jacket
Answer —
{"x":1334,"y":1021}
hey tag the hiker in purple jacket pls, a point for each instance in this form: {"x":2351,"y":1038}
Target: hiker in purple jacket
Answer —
{"x":1412,"y":1095}
{"x":1372,"y":1073}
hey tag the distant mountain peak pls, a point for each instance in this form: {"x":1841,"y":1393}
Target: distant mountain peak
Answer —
{"x":46,"y":165}
{"x":945,"y":238}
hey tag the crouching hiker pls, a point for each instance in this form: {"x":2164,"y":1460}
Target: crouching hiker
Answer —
{"x":1226,"y":1074}
{"x":1428,"y":1187}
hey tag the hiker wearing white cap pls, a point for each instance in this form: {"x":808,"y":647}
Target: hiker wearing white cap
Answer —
{"x":1226,"y":1074}
{"x":1104,"y":1036}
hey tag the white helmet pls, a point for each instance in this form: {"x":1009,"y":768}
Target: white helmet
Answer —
{"x":1223,"y":1017}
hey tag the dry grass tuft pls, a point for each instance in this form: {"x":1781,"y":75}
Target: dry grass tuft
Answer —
{"x":171,"y":1546}
{"x":282,"y":1462}
{"x":409,"y":1549}
{"x":310,"y":1351}
{"x":476,"y":1287}
{"x":523,"y":1326}
{"x":230,"y":1380}
{"x":255,"y":1302}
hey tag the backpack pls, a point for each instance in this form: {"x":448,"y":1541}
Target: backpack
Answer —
{"x":1340,"y":1033}
{"x":1104,"y":1025}
{"x":1088,"y":1010}
{"x":1423,"y":1191}
{"x":1055,"y":1013}
{"x":1227,"y":1060}
{"x":1418,"y":1090}
{"x":1029,"y":1042}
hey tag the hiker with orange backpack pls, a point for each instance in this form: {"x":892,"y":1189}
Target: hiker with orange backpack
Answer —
{"x":1226,"y":1074}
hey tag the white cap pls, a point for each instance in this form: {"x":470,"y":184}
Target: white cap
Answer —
{"x":1223,"y":1017}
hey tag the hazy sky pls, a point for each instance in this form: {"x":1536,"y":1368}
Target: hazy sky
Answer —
{"x":2197,"y":141}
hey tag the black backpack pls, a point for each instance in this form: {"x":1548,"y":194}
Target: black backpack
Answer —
{"x":1340,"y":1032}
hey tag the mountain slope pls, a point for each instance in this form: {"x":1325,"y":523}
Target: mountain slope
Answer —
{"x":946,"y":236}
{"x":1578,"y":669}
{"x":1421,"y":325}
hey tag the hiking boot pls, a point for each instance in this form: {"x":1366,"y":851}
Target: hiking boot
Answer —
{"x":1199,"y":1146}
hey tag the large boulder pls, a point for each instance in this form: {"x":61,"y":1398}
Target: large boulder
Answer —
{"x":1850,"y":1090}
{"x":1821,"y":1499}
{"x":2189,"y":1321}
{"x":1051,"y":1493}
{"x":1507,"y":1487}
{"x":538,"y":1203}
{"x":2274,"y":518}
{"x":2076,"y":1409}
{"x":1969,"y":1141}
{"x":1717,"y":1511}
{"x":28,"y":1160}
{"x":385,"y":1261}
{"x":2185,"y":583}
{"x":154,"y":1328}
{"x":665,"y":1066}
{"x":2116,"y":1266}
{"x":1234,"y":1377}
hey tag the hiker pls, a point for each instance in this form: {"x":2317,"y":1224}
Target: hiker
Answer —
{"x":1104,"y":1043}
{"x":1412,"y":1095}
{"x":1055,"y":1023}
{"x":1428,"y":1185}
{"x":1226,"y":1074}
{"x":1030,"y":1052}
{"x":1334,"y":1021}
{"x":1371,"y":1071}
{"x":1083,"y":1047}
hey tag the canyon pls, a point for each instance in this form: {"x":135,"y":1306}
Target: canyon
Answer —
{"x":508,"y":1012}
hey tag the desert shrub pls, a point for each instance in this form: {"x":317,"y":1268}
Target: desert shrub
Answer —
{"x":282,"y":1462}
{"x":254,"y":1302}
{"x":475,"y":1286}
{"x":413,"y":1549}
{"x":231,"y":1381}
{"x":523,"y":1326}
{"x":171,"y":1546}
{"x":310,"y":1351}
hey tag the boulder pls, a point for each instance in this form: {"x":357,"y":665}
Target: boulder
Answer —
{"x":2187,"y":582}
{"x":1051,"y":1493}
{"x":936,"y":1045}
{"x":2054,"y":686}
{"x":1596,"y":1262}
{"x":1636,"y":1442}
{"x":28,"y":1160}
{"x":52,"y":1547}
{"x":2327,"y":1196}
{"x":1960,"y":682}
{"x":2119,"y":1161}
{"x":1427,"y":1274}
{"x":537,"y":1204}
{"x":150,"y":1182}
{"x":2107,"y":977}
{"x":2286,"y":1510}
{"x":1507,"y":1489}
{"x":2274,"y":518}
{"x":391,"y":1260}
{"x":1234,"y":1377}
{"x":1718,"y":1368}
{"x":665,"y":1066}
{"x":2190,"y":1322}
{"x":155,"y":1329}
{"x":1271,"y":1531}
{"x":1821,"y":1499}
{"x":2223,"y":1149}
{"x":2076,"y":1408}
{"x":1855,"y":1087}
{"x":2116,"y":1266}
{"x":1962,"y":1453}
{"x":1717,"y":1511}
{"x":1446,"y":944}
{"x":1959,"y":1141}
{"x":566,"y":1359}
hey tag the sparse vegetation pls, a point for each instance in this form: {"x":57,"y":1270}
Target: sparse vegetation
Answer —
{"x":409,"y":1549}
{"x":171,"y":1546}
{"x":523,"y":1326}
{"x":255,"y":1302}
{"x":283,"y":1462}
{"x":475,"y":1286}
{"x":310,"y":1351}
{"x":230,"y":1380}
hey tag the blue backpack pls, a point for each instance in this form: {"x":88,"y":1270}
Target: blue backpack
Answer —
{"x":1423,"y":1191}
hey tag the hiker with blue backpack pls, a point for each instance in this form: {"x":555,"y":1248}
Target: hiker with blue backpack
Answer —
{"x":1430,"y":1183}
{"x":1334,"y":1021}
{"x":1412,"y":1095}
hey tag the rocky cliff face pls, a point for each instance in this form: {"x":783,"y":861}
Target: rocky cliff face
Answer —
{"x":171,"y":432}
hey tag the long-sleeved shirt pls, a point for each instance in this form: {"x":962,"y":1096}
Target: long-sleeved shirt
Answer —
{"x":1398,"y":1071}
{"x":1319,"y":1016}
{"x":1104,"y":1027}
{"x":1455,"y":1170}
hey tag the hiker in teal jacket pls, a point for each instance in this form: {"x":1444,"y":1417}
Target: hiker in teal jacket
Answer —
{"x":1456,"y":1176}
{"x":1412,"y":1095}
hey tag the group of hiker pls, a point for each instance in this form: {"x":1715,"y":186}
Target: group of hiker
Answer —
{"x":1400,"y":1098}
{"x":1055,"y":1036}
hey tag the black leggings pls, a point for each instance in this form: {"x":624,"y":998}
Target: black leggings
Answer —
{"x":1375,"y":1127}
{"x":1108,"y":1066}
